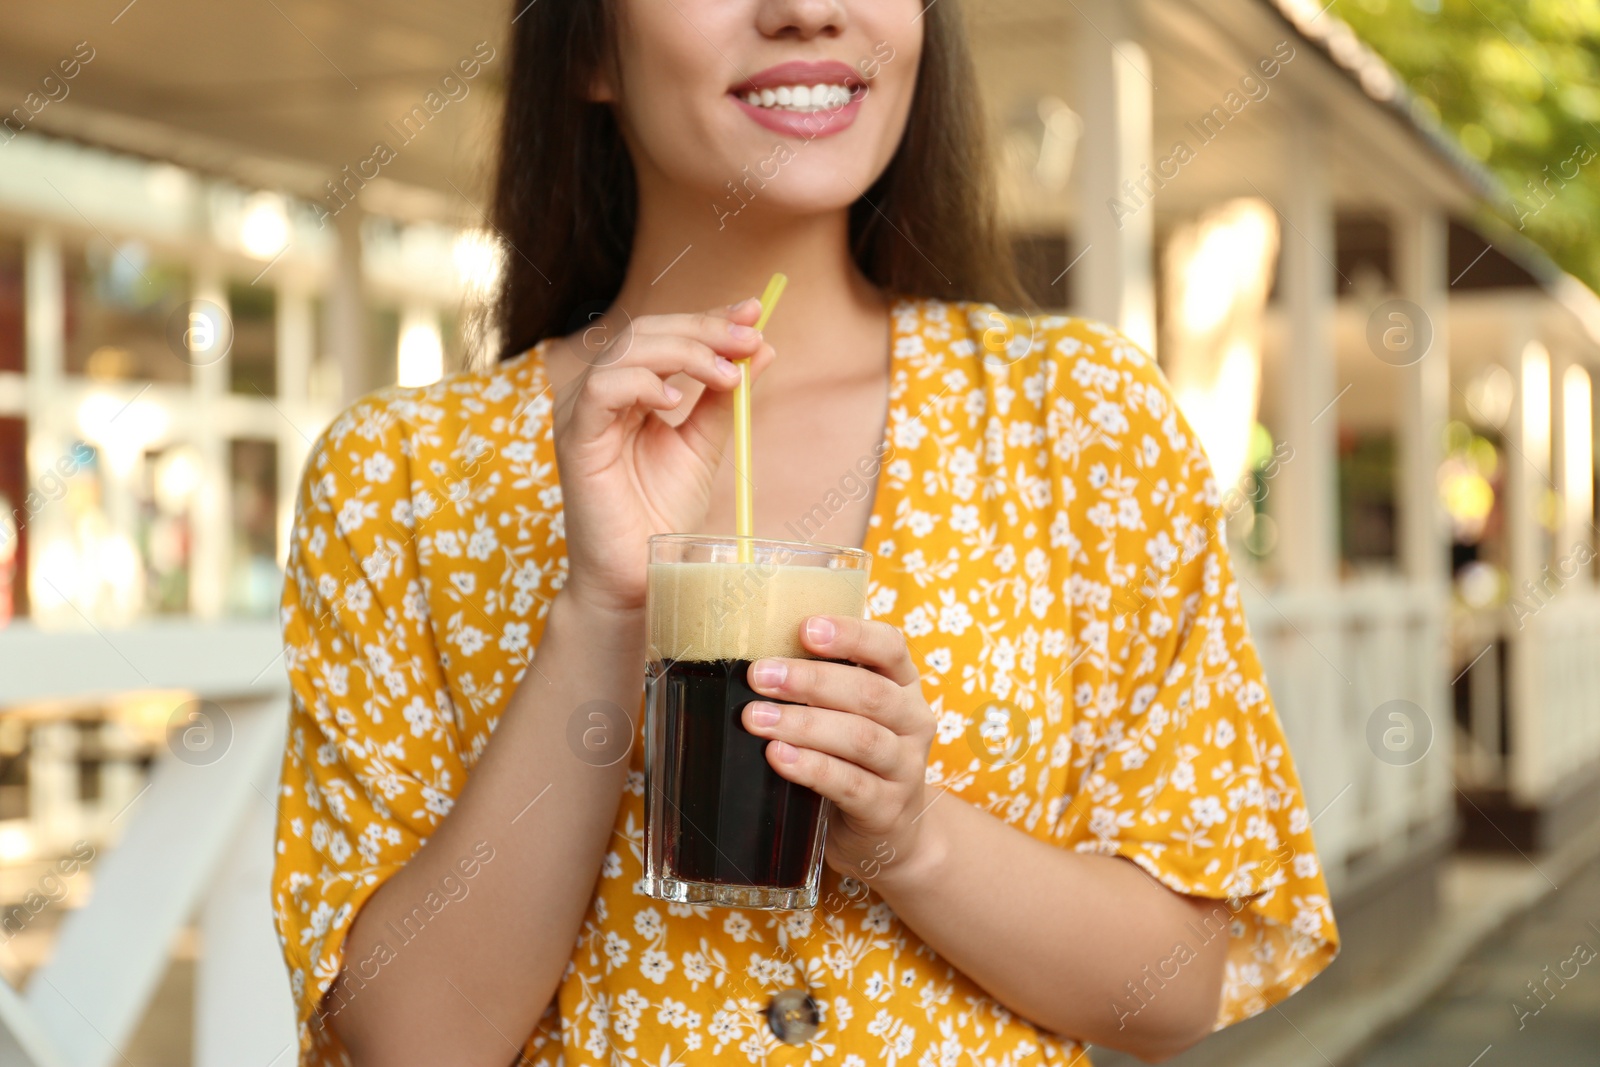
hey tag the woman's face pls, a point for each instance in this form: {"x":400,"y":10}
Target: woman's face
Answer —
{"x":727,"y":91}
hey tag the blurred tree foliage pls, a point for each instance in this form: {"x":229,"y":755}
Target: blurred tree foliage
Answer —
{"x":1518,"y":83}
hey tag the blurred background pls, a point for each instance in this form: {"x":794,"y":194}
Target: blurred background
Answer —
{"x":1358,"y":237}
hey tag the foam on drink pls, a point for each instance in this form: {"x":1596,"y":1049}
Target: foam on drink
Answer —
{"x":743,"y":611}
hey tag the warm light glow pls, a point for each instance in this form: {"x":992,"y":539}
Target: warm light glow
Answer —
{"x":1465,"y":485}
{"x":1468,"y":497}
{"x":119,"y":564}
{"x":177,"y":476}
{"x":421,"y":348}
{"x":1218,"y":413}
{"x":1577,"y":453}
{"x":1225,"y":246}
{"x":264,"y":227}
{"x":1536,"y":405}
{"x":478,"y":260}
{"x":1490,"y":394}
{"x":1218,"y":274}
{"x":122,"y":429}
{"x":1134,"y":89}
{"x":1062,"y":129}
{"x":1479,"y":584}
{"x":60,"y":571}
{"x":16,"y":844}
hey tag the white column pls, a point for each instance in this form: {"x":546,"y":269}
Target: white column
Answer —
{"x":208,"y":566}
{"x":1115,"y":211}
{"x":1528,"y":461}
{"x":1421,"y":238}
{"x":347,"y":315}
{"x":44,"y":303}
{"x":1527,"y":477}
{"x":1574,"y":418}
{"x":296,"y":345}
{"x":1305,"y":502}
{"x":1422,"y":272}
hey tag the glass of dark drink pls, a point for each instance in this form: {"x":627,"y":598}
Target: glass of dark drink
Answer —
{"x":721,"y":826}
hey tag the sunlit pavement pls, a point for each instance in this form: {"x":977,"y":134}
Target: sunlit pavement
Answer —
{"x":1489,"y":1015}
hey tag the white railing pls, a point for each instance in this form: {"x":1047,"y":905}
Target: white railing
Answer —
{"x":194,"y":844}
{"x":1534,"y":722}
{"x":1359,"y":678}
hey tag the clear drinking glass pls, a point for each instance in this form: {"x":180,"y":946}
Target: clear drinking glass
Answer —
{"x":721,"y":826}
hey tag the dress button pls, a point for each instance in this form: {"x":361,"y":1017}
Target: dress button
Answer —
{"x":793,"y":1016}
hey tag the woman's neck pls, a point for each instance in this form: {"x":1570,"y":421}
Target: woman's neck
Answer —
{"x":691,"y":253}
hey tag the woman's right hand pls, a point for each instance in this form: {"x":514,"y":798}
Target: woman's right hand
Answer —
{"x":626,"y":473}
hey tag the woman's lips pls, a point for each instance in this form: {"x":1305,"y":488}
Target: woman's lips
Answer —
{"x":821,"y":122}
{"x":801,"y":72}
{"x":804,"y":124}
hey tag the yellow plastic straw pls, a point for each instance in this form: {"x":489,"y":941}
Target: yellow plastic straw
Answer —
{"x":744,"y":507}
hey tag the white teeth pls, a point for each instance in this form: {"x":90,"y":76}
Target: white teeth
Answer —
{"x":819,"y":97}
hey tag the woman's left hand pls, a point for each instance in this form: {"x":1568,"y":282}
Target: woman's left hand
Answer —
{"x":858,"y":736}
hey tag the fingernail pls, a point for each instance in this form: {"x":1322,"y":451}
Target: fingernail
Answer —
{"x":737,"y":304}
{"x":726,"y":367}
{"x":787,"y":753}
{"x":674,"y":394}
{"x":766,"y":672}
{"x":819,"y":629}
{"x":741,"y":332}
{"x":764,"y":715}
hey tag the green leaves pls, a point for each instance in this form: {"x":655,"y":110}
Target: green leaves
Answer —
{"x":1518,"y":82}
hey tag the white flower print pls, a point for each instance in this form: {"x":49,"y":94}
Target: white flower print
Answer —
{"x":616,"y":948}
{"x":647,"y":924}
{"x":954,"y":619}
{"x":515,"y":637}
{"x":378,"y":467}
{"x":737,"y":926}
{"x":654,"y":965}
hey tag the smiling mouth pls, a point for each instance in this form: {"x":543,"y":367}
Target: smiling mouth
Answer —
{"x":804,"y":99}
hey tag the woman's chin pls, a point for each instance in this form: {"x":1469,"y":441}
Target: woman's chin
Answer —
{"x":786,"y":181}
{"x":753,"y":205}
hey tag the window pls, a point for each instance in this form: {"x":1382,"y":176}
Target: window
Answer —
{"x":120,"y":306}
{"x":253,"y":363}
{"x":14,"y":755}
{"x":254,"y":580}
{"x":383,"y":343}
{"x":13,"y":519}
{"x":13,"y":355}
{"x":166,"y":527}
{"x":1368,"y":530}
{"x":324,"y":386}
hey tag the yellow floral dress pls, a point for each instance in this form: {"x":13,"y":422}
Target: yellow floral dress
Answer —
{"x":1045,"y":531}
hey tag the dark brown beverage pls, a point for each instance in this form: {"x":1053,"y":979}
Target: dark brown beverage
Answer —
{"x":730,"y":818}
{"x":721,"y":826}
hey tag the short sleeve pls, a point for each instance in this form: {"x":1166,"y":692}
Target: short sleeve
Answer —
{"x":1190,"y":776}
{"x":371,"y":765}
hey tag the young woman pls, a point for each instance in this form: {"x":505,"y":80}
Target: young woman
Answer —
{"x":1064,"y":808}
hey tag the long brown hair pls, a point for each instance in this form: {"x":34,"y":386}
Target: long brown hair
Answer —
{"x":566,"y":201}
